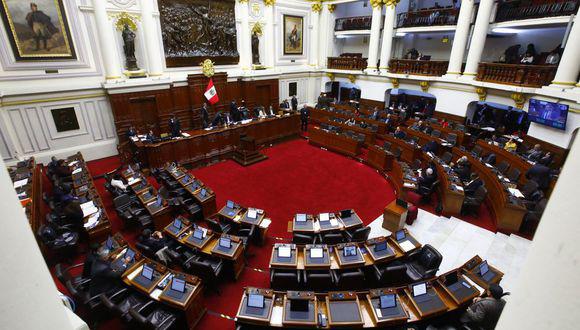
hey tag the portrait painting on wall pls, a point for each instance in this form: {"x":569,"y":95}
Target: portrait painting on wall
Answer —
{"x":65,"y":119}
{"x":195,"y":30}
{"x":293,"y":35}
{"x":38,"y":30}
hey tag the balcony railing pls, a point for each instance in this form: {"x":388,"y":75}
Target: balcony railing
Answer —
{"x":418,"y":67}
{"x":347,"y":63}
{"x":353,"y":23}
{"x":517,"y":10}
{"x":516,"y":74}
{"x":428,"y":17}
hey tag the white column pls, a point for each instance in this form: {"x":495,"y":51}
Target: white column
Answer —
{"x":152,"y":43}
{"x":315,"y":17}
{"x":479,"y":36}
{"x":387,"y":45}
{"x":246,"y":46}
{"x":106,"y":41}
{"x":460,"y":39}
{"x":322,"y":36}
{"x":569,"y":66}
{"x":375,"y":35}
{"x":269,"y":39}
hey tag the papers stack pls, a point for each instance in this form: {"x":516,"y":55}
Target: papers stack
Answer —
{"x":333,"y":222}
{"x":185,"y":135}
{"x":89,"y":208}
{"x":408,"y":185}
{"x":73,"y":163}
{"x":20,"y":183}
{"x":133,"y":180}
{"x":265,"y":223}
{"x":407,"y":246}
{"x":78,"y":170}
{"x":516,"y":192}
{"x":93,"y":220}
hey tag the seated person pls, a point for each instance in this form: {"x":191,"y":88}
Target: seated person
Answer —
{"x":67,"y":194}
{"x":389,"y":121}
{"x":485,"y":312}
{"x":473,"y":184}
{"x":511,"y":145}
{"x":375,"y":114}
{"x":62,"y":170}
{"x":463,"y":168}
{"x":363,"y":124}
{"x":427,"y":129}
{"x":150,"y":137}
{"x":490,"y":159}
{"x":104,"y":277}
{"x":131,"y":132}
{"x":418,"y":126}
{"x":157,"y":243}
{"x":399,"y":133}
{"x":535,"y":153}
{"x":73,"y":214}
{"x":540,"y":173}
{"x":547,"y":159}
{"x":117,"y":182}
{"x":285,"y":104}
{"x":270,"y":112}
{"x":426,"y":178}
{"x":350,"y":122}
{"x":431,"y":146}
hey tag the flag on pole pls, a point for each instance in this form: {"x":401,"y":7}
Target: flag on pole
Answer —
{"x":210,"y":93}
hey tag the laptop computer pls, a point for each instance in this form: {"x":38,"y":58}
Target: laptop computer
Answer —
{"x":230,"y":204}
{"x":177,"y":288}
{"x":484,"y":271}
{"x":147,"y":272}
{"x":387,"y":301}
{"x":301,"y":217}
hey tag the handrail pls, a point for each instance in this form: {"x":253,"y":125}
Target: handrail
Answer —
{"x":428,"y":17}
{"x":516,"y":74}
{"x":347,"y":63}
{"x":418,"y":67}
{"x":518,"y":10}
{"x":353,"y":23}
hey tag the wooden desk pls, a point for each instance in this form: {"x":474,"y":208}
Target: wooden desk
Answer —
{"x":409,"y":152}
{"x":336,"y":142}
{"x":318,"y":115}
{"x":379,"y":158}
{"x":394,"y":216}
{"x":217,"y":144}
{"x":254,"y":315}
{"x":195,"y":187}
{"x":312,"y":224}
{"x":502,"y":155}
{"x":368,"y":133}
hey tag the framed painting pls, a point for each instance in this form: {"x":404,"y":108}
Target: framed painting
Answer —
{"x":38,"y":30}
{"x":65,"y":119}
{"x":293,"y":35}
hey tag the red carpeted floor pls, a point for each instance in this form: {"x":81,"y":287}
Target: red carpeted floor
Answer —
{"x":297,"y":178}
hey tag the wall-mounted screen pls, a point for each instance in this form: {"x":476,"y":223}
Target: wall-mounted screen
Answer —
{"x":548,"y":113}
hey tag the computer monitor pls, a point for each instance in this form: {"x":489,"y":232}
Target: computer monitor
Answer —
{"x":178,"y":285}
{"x":400,"y":235}
{"x":177,"y":223}
{"x":388,"y":300}
{"x":109,"y":243}
{"x":300,"y":217}
{"x":225,"y":242}
{"x":419,"y":289}
{"x":349,"y":250}
{"x":198,"y":233}
{"x":324,"y":217}
{"x":203,"y":192}
{"x":284,"y":252}
{"x":130,"y":254}
{"x":380,"y":246}
{"x":159,"y":201}
{"x":483,"y":268}
{"x":255,"y":300}
{"x":316,"y":252}
{"x":230,"y":204}
{"x":299,"y":305}
{"x":345,"y":213}
{"x":147,"y":272}
{"x":185,"y":179}
{"x":252,"y":214}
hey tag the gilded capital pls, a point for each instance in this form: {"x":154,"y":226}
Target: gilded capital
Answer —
{"x":317,"y":7}
{"x":376,"y":3}
{"x":330,"y":76}
{"x":392,"y":3}
{"x":243,"y":1}
{"x":482,"y":93}
{"x":424,"y":86}
{"x":331,"y":8}
{"x":351,"y":78}
{"x":269,"y":2}
{"x":519,"y":99}
{"x":395,"y":82}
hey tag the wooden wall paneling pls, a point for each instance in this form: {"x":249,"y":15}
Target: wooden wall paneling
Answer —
{"x":559,"y":153}
{"x":181,"y":106}
{"x":234,"y":91}
{"x":372,"y":103}
{"x":164,"y":109}
{"x":449,"y":117}
{"x":248,"y":94}
{"x":197,"y":83}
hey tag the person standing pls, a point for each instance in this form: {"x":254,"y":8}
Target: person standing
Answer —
{"x":234,"y":113}
{"x":294,"y":103}
{"x":174,"y":126}
{"x":204,"y":116}
{"x":304,"y":114}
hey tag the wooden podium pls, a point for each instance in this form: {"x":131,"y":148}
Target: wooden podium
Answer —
{"x":394,"y":217}
{"x":247,"y":152}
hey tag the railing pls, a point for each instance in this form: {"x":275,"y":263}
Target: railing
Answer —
{"x":428,"y":17}
{"x":347,"y":63}
{"x":516,"y":74}
{"x":353,"y":23}
{"x":418,"y":67}
{"x":517,"y":10}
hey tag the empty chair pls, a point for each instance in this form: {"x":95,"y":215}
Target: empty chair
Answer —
{"x":251,"y":235}
{"x":452,"y":139}
{"x":285,"y":279}
{"x":218,"y":227}
{"x":121,"y":301}
{"x":387,"y":145}
{"x":397,"y":153}
{"x":514,"y":174}
{"x":389,"y":275}
{"x":436,"y":133}
{"x":332,"y":238}
{"x":151,"y":316}
{"x":359,"y":234}
{"x":472,"y":203}
{"x":532,"y":218}
{"x":298,"y":238}
{"x":209,"y":269}
{"x":351,"y":279}
{"x":490,"y":159}
{"x":503,"y":167}
{"x":423,"y":263}
{"x":446,"y":158}
{"x":318,"y":280}
{"x":476,"y":151}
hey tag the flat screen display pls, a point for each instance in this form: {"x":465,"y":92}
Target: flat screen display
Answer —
{"x":256,"y":300}
{"x":388,"y":301}
{"x":130,"y":254}
{"x":381,"y":246}
{"x":400,"y":235}
{"x":324,"y":216}
{"x":252,"y":214}
{"x":177,"y":223}
{"x":109,"y":244}
{"x":349,"y":251}
{"x":316,"y":253}
{"x":284,"y":252}
{"x":483,"y":268}
{"x":345,"y":213}
{"x":203,"y":192}
{"x":548,"y":113}
{"x":419,"y":289}
{"x":147,"y":272}
{"x":178,"y":285}
{"x":230,"y":204}
{"x":225,"y":242}
{"x":198,"y":233}
{"x":300,"y":217}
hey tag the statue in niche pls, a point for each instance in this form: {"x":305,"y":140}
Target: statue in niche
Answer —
{"x":255,"y":48}
{"x":129,"y":48}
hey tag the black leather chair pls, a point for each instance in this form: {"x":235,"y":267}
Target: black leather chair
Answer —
{"x":514,"y":174}
{"x":60,"y":240}
{"x":423,"y":263}
{"x":151,"y":316}
{"x":476,"y":151}
{"x":285,"y":279}
{"x":251,"y":235}
{"x":386,"y":276}
{"x":502,"y":167}
{"x":358,"y":235}
{"x":452,"y":139}
{"x":436,"y":133}
{"x":121,"y":301}
{"x":298,"y":238}
{"x":218,"y":227}
{"x":529,"y":188}
{"x":317,"y":280}
{"x":387,"y":145}
{"x":427,"y":191}
{"x":207,"y":268}
{"x":351,"y":279}
{"x":446,"y":158}
{"x":332,"y":238}
{"x":473,"y":203}
{"x":397,"y":153}
{"x":532,"y":218}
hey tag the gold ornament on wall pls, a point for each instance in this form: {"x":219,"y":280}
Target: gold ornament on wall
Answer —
{"x":519,"y":99}
{"x":351,"y":78}
{"x":482,"y":93}
{"x":207,"y":68}
{"x":395,"y":82}
{"x":330,"y":76}
{"x":317,"y":7}
{"x":424,"y":86}
{"x":391,"y":2}
{"x":269,"y":2}
{"x":123,"y":18}
{"x":243,"y":1}
{"x":257,"y":28}
{"x":376,"y":3}
{"x":331,"y":8}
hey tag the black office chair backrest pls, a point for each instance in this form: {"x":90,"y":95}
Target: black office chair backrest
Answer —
{"x":529,"y":187}
{"x":332,"y":238}
{"x":514,"y":174}
{"x":480,"y":194}
{"x":503,"y":167}
{"x":446,"y":158}
{"x":122,"y":201}
{"x":361,"y":234}
{"x":452,"y":138}
{"x":429,"y":257}
{"x":214,"y":225}
{"x":302,"y":239}
{"x":387,"y":145}
{"x":477,"y":151}
{"x":397,"y":152}
{"x":436,"y":133}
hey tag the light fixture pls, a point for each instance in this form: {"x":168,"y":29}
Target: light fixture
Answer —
{"x":445,"y":39}
{"x":505,"y":30}
{"x":401,"y":34}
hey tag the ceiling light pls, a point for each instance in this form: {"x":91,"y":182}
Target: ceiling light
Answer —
{"x":505,"y":30}
{"x":401,"y":34}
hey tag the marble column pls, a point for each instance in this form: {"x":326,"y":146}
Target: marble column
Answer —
{"x":111,"y":61}
{"x":269,"y":40}
{"x":315,"y":22}
{"x":245,"y":40}
{"x":460,"y":39}
{"x":569,"y":66}
{"x":478,"y":38}
{"x":375,"y":35}
{"x":152,"y":44}
{"x":387,"y":45}
{"x":327,"y":40}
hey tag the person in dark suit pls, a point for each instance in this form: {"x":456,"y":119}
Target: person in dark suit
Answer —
{"x":285,"y":104}
{"x":375,"y":115}
{"x":427,"y":129}
{"x":204,"y":116}
{"x":431,"y":146}
{"x":243,"y":111}
{"x":426,"y":178}
{"x":174,"y":126}
{"x":67,"y":194}
{"x":234,"y":112}
{"x":463,"y":169}
{"x":304,"y":114}
{"x":131,"y":132}
{"x":294,"y":103}
{"x":490,"y":159}
{"x":485,"y":312}
{"x":150,"y":136}
{"x":535,"y":153}
{"x":105,"y":277}
{"x":399,"y":133}
{"x":270,"y":111}
{"x":540,"y":173}
{"x":218,"y":119}
{"x":547,"y":159}
{"x":472,"y":185}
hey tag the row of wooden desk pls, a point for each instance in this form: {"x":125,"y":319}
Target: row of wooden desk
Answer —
{"x":336,"y":142}
{"x":322,"y":115}
{"x":247,"y":217}
{"x":368,"y":133}
{"x":331,"y":222}
{"x":203,"y":194}
{"x":218,"y":143}
{"x":447,"y":293}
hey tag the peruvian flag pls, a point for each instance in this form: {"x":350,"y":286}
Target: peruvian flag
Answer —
{"x":210,"y":93}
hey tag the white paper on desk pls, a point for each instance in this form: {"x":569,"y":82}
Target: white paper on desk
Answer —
{"x":265,"y":223}
{"x":132,"y":180}
{"x":333,"y":222}
{"x":20,"y":183}
{"x":407,"y":246}
{"x":379,"y":313}
{"x":460,"y":188}
{"x":90,"y":211}
{"x":87,"y":205}
{"x":22,"y":195}
{"x":208,"y":128}
{"x":488,"y":165}
{"x":284,"y":252}
{"x":73,"y":163}
{"x":185,"y":135}
{"x":134,"y":138}
{"x":516,"y":192}
{"x":245,"y":121}
{"x":93,"y":220}
{"x":77,"y":170}
{"x":408,"y":185}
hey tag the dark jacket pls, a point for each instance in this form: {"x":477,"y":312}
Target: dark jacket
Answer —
{"x":175,"y":127}
{"x":484,"y":314}
{"x":294,"y":103}
{"x":304,"y":113}
{"x":400,"y":135}
{"x":155,"y":244}
{"x":463,"y":171}
{"x":472,"y":186}
{"x":541,"y":174}
{"x":431,"y":146}
{"x":204,"y":117}
{"x":103,"y":277}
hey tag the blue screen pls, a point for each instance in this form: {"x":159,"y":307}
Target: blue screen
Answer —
{"x":388,"y":301}
{"x":548,"y":113}
{"x":178,"y":285}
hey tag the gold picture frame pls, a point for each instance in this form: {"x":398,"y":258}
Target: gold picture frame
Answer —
{"x":38,"y":30}
{"x":293,"y":35}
